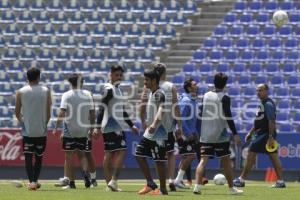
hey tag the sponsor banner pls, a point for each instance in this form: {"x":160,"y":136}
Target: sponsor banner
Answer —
{"x":11,"y":152}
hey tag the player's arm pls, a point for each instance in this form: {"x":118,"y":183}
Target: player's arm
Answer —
{"x":228,"y":115}
{"x":92,"y":113}
{"x":185,"y":113}
{"x":177,"y":112}
{"x":134,"y":129}
{"x":61,"y":114}
{"x":144,"y":99}
{"x":270,"y":112}
{"x":49,"y":104}
{"x":102,"y":106}
{"x":18,"y":106}
{"x":160,"y":99}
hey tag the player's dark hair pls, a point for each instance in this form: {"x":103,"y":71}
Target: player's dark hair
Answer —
{"x":220,"y":80}
{"x":160,"y":68}
{"x":75,"y":78}
{"x":33,"y":74}
{"x":266,"y":86}
{"x":115,"y":68}
{"x":153,"y":74}
{"x":187,"y":84}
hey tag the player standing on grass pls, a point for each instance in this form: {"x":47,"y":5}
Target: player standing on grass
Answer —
{"x":33,"y":111}
{"x":110,"y":121}
{"x":263,"y":132}
{"x":172,"y":111}
{"x":152,"y":145}
{"x":78,"y":115}
{"x":214,"y":139}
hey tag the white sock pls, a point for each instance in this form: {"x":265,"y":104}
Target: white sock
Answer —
{"x":93,"y":175}
{"x":180,"y":175}
{"x":65,"y":177}
{"x":197,"y":187}
{"x":280,"y":181}
{"x":171,"y":180}
{"x":241,"y":179}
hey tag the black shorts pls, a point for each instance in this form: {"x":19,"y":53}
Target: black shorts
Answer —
{"x":151,"y":149}
{"x":215,"y":149}
{"x":80,"y":144}
{"x":114,"y":142}
{"x":186,"y":147}
{"x":258,"y":143}
{"x":34,"y":145}
{"x":170,"y":143}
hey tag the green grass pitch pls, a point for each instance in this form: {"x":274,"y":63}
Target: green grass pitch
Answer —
{"x":253,"y":190}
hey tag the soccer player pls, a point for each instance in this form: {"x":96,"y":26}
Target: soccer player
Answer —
{"x":263,"y":132}
{"x":78,"y":115}
{"x":110,"y":121}
{"x":214,"y":139}
{"x":152,"y":145}
{"x":172,"y":111}
{"x":188,"y":109}
{"x":33,"y":111}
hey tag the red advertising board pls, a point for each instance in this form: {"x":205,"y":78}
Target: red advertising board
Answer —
{"x":11,"y":153}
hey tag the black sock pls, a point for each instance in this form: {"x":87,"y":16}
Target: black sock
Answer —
{"x":28,"y":166}
{"x":37,"y":167}
{"x":188,"y":173}
{"x":151,"y":184}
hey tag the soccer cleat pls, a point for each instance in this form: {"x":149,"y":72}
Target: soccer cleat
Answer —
{"x":237,"y":182}
{"x":279,"y":185}
{"x":172,"y":187}
{"x":94,"y":183}
{"x":32,"y":186}
{"x":197,"y":190}
{"x":158,"y":192}
{"x":113,"y":185}
{"x":62,"y":182}
{"x":235,"y":191}
{"x":87,"y":182}
{"x":38,"y":185}
{"x":146,"y":189}
{"x":180,"y":184}
{"x":67,"y":187}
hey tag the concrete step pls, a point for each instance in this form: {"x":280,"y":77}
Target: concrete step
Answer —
{"x":212,"y":15}
{"x":181,"y":52}
{"x":204,"y":21}
{"x":197,"y":34}
{"x":202,"y":27}
{"x":188,"y":46}
{"x":179,"y":59}
{"x":193,"y":40}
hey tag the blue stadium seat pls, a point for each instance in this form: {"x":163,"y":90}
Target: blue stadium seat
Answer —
{"x":258,"y":43}
{"x":140,"y":43}
{"x":123,"y":7}
{"x":82,"y":31}
{"x":274,"y":43}
{"x":64,"y":31}
{"x":210,"y":80}
{"x":242,"y":43}
{"x":62,"y":55}
{"x":7,"y":17}
{"x":285,"y":31}
{"x":45,"y":55}
{"x":255,"y":6}
{"x":79,"y":56}
{"x":277,"y":56}
{"x":290,"y":43}
{"x":296,"y":118}
{"x":110,"y":19}
{"x":230,"y":18}
{"x":173,"y":7}
{"x":128,"y":19}
{"x":134,"y":31}
{"x":72,"y":6}
{"x":296,"y":105}
{"x":292,"y":56}
{"x":20,"y":5}
{"x":220,"y":31}
{"x":106,"y":43}
{"x":206,"y":68}
{"x":54,"y":6}
{"x":294,"y":18}
{"x":117,"y":31}
{"x":96,"y":56}
{"x":189,"y":68}
{"x":284,"y":104}
{"x":139,"y":7}
{"x":151,"y":32}
{"x":293,"y":80}
{"x":189,"y":7}
{"x":247,"y":56}
{"x":240,"y":6}
{"x":236,"y":31}
{"x":246,"y":18}
{"x":18,"y":77}
{"x":216,"y":55}
{"x":178,"y":79}
{"x":60,"y":18}
{"x":38,"y":6}
{"x":255,"y":68}
{"x":15,"y":42}
{"x":239,"y":68}
{"x":25,"y":18}
{"x":50,"y":66}
{"x":130,"y":56}
{"x":99,"y":31}
{"x":223,"y":67}
{"x":272,"y":68}
{"x":253,"y":31}
{"x":231,"y":55}
{"x":162,"y":19}
{"x":113,"y":56}
{"x":89,"y":7}
{"x":88,"y":43}
{"x":2,"y":42}
{"x":237,"y":104}
{"x":5,"y":5}
{"x":269,"y":31}
{"x":209,"y":43}
{"x":5,"y":112}
{"x":11,"y":30}
{"x":262,"y":18}
{"x":3,"y":76}
{"x":16,"y":66}
{"x":70,"y":43}
{"x":47,"y":31}
{"x":34,"y":42}
{"x":289,"y":68}
{"x":145,"y":19}
{"x":286,"y":5}
{"x":260,"y":79}
{"x":147,"y":56}
{"x":225,"y":43}
{"x":77,"y":18}
{"x":245,"y":80}
{"x":249,"y":92}
{"x":285,"y":128}
{"x":262,"y":55}
{"x":105,"y":6}
{"x":234,"y":92}
{"x":156,"y":7}
{"x":10,"y":55}
{"x":168,"y":32}
{"x":158,"y":44}
{"x":27,"y":55}
{"x":93,"y":18}
{"x":277,"y":80}
{"x":271,"y":6}
{"x":52,"y":43}
{"x":282,"y":92}
{"x":282,"y":117}
{"x":42,"y":18}
{"x":295,"y":93}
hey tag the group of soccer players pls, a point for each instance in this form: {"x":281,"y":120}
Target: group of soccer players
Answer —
{"x":165,"y":120}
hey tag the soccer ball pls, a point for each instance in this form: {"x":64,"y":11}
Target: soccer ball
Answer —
{"x":280,"y":18}
{"x":219,"y":179}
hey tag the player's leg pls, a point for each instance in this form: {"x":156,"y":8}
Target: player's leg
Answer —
{"x":107,"y":166}
{"x":29,"y":166}
{"x":250,"y":160}
{"x":70,"y":170}
{"x":83,"y":160}
{"x":171,"y":169}
{"x":278,"y":169}
{"x":161,"y":172}
{"x":199,"y":174}
{"x":40,"y":146}
{"x":28,"y":150}
{"x":118,"y":163}
{"x":91,"y":167}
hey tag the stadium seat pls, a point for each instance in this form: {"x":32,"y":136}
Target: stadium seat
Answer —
{"x":284,"y":104}
{"x":76,"y":19}
{"x":82,"y":31}
{"x":271,"y":6}
{"x":285,"y":128}
{"x":240,"y":6}
{"x":249,"y":92}
{"x":130,"y":56}
{"x":72,"y":6}
{"x":272,"y":68}
{"x":255,"y":6}
{"x":5,"y":5}
{"x":113,"y":56}
{"x":158,"y":44}
{"x":206,"y":68}
{"x":289,"y":68}
{"x":2,"y":42}
{"x":179,"y":20}
{"x":18,"y":77}
{"x":50,"y":66}
{"x":62,"y":55}
{"x":234,"y":92}
{"x":128,"y":19}
{"x":3,"y":76}
{"x":15,"y":42}
{"x":277,"y":56}
{"x":292,"y":56}
{"x":11,"y":30}
{"x":178,"y":79}
{"x":52,"y":43}
{"x":189,"y":7}
{"x":293,"y":80}
{"x":42,"y":18}
{"x":5,"y":113}
{"x":147,"y":56}
{"x":38,"y":6}
{"x":60,"y":18}
{"x":239,"y":68}
{"x":245,"y":80}
{"x":134,"y":31}
{"x":260,"y":79}
{"x":173,"y":7}
{"x":10,"y":55}
{"x":27,"y":55}
{"x":105,"y":6}
{"x":156,"y":7}
{"x":237,"y":104}
{"x":199,"y":56}
{"x":145,"y":19}
{"x":151,"y":32}
{"x":223,"y":67}
{"x":96,"y":56}
{"x":69,"y":43}
{"x":294,"y":18}
{"x":7,"y":17}
{"x":20,"y":5}
{"x":110,"y":19}
{"x":253,"y":31}
{"x":99,"y":31}
{"x":93,"y":18}
{"x":277,"y":80}
{"x":25,"y":18}
{"x":269,"y":31}
{"x":282,"y":117}
{"x":246,"y":18}
{"x":88,"y":43}
{"x":285,"y":31}
{"x":247,"y":56}
{"x":230,"y":18}
{"x":209,"y":43}
{"x":106,"y":43}
{"x":255,"y":68}
{"x":45,"y":55}
{"x":220,"y":31}
{"x":231,"y":56}
{"x":225,"y":43}
{"x":139,"y":6}
{"x":296,"y":118}
{"x":117,"y":31}
{"x":274,"y":43}
{"x":47,"y":31}
{"x":16,"y":66}
{"x":168,"y":32}
{"x":79,"y":56}
{"x":262,"y":18}
{"x":189,"y":68}
{"x":290,"y":43}
{"x":282,"y":92}
{"x":286,"y":5}
{"x":262,"y":56}
{"x":54,"y":6}
{"x":64,"y":31}
{"x":295,"y":93}
{"x":140,"y":43}
{"x":162,"y":19}
{"x":215,"y":55}
{"x":89,"y":7}
{"x":296,"y":105}
{"x":236,"y":31}
{"x":242,"y":43}
{"x":258,"y":43}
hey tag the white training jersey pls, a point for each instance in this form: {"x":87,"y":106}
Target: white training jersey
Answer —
{"x":213,"y":124}
{"x":34,"y":101}
{"x":77,"y":103}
